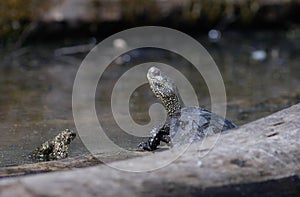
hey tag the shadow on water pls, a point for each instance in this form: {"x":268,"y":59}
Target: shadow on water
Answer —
{"x":260,"y":71}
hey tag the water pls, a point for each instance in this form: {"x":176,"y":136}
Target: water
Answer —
{"x":260,"y":71}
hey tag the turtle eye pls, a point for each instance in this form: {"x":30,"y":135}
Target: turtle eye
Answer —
{"x":159,"y":85}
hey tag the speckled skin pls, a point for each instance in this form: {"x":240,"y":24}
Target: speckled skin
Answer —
{"x":183,"y":124}
{"x":56,"y":148}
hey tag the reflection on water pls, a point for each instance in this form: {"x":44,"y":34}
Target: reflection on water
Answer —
{"x":260,"y":71}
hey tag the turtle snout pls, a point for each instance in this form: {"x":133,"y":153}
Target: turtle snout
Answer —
{"x":72,"y":135}
{"x":153,"y":72}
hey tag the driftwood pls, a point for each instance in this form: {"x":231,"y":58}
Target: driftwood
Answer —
{"x":65,"y":164}
{"x":259,"y":158}
{"x":81,"y":161}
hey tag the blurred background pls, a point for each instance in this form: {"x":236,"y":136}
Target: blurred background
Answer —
{"x":255,"y":43}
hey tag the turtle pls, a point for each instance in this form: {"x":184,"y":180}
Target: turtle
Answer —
{"x":54,"y":149}
{"x":184,"y":124}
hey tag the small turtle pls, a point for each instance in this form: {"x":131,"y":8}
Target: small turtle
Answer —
{"x":56,"y":148}
{"x":183,"y":124}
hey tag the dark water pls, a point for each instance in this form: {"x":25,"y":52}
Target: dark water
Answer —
{"x":260,"y":71}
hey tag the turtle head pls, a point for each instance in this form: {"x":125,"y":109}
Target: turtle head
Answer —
{"x":68,"y":135}
{"x":165,"y":90}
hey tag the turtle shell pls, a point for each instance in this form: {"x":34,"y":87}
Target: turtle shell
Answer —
{"x":194,"y":123}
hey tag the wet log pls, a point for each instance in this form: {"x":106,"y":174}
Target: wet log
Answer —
{"x":259,"y":158}
{"x":81,"y":161}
